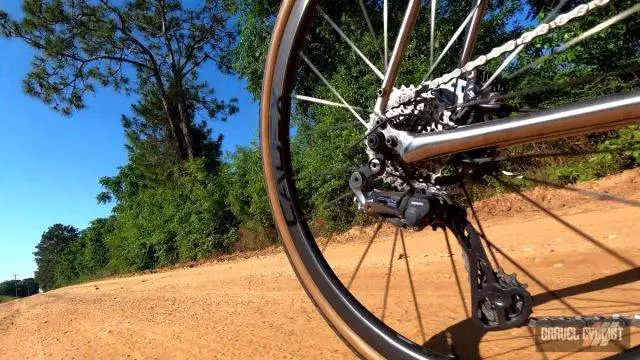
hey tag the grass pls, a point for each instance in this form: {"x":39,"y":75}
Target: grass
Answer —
{"x":4,"y":298}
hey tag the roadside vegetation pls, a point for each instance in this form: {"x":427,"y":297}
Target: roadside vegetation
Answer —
{"x":14,"y":289}
{"x":4,"y":298}
{"x":179,"y":198}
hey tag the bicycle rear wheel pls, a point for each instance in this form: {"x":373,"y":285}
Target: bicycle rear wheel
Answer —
{"x":368,"y":335}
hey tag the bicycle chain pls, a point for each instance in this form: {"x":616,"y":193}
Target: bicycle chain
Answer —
{"x":407,"y":93}
{"x":409,"y":100}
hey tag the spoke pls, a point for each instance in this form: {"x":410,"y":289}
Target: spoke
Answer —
{"x":385,"y":29}
{"x":504,"y":64}
{"x":335,"y":92}
{"x":507,"y":338}
{"x":515,"y":52}
{"x":343,"y":196}
{"x":319,"y":130}
{"x":386,"y":288}
{"x":401,"y":43}
{"x":548,"y":290}
{"x":584,"y":235}
{"x":477,"y":219}
{"x":472,"y":32}
{"x":510,"y":351}
{"x":545,"y":155}
{"x":307,"y":214}
{"x":455,"y":273}
{"x":628,"y":303}
{"x":453,"y":39}
{"x":355,"y":272}
{"x":433,"y":31}
{"x":326,"y":204}
{"x":619,"y":17}
{"x":373,"y":33}
{"x":353,"y":46}
{"x":413,"y":290}
{"x":594,"y":194}
{"x":324,"y":247}
{"x":603,"y":283}
{"x":323,"y":173}
{"x":580,"y":38}
{"x":327,"y":102}
{"x":598,"y":307}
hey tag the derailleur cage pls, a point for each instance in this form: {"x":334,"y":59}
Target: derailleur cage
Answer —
{"x":498,"y":300}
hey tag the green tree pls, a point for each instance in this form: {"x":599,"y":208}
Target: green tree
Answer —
{"x":93,"y":256}
{"x":54,"y":247}
{"x":25,"y":287}
{"x":81,"y":45}
{"x":166,"y":209}
{"x":322,"y":152}
{"x":247,"y":195}
{"x":185,"y":218}
{"x":247,"y":199}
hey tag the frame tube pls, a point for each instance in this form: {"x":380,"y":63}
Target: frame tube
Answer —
{"x":575,"y":119}
{"x":472,"y":33}
{"x":410,"y":17}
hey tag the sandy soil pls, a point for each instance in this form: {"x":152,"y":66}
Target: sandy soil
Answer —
{"x":252,"y":308}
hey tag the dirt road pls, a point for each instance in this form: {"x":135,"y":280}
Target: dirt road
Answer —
{"x":254,"y":308}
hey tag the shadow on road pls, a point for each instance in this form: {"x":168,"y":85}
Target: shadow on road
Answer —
{"x":468,"y":333}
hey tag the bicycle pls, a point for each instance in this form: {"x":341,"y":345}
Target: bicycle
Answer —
{"x":424,"y":143}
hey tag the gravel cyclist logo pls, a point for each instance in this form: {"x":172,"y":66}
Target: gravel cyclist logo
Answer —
{"x":604,"y":335}
{"x":601,"y":333}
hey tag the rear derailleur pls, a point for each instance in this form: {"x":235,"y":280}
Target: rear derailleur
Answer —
{"x":499,"y":301}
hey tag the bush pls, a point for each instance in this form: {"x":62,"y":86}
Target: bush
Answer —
{"x":185,"y":219}
{"x":620,"y":151}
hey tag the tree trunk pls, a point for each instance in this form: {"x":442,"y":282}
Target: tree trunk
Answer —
{"x":174,"y":122}
{"x":186,"y":131}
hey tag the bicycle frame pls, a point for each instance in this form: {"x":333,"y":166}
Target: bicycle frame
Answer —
{"x":575,"y":119}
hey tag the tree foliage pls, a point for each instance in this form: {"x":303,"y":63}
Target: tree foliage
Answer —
{"x":82,"y":45}
{"x":24,"y":287}
{"x":54,"y":246}
{"x":323,"y":137}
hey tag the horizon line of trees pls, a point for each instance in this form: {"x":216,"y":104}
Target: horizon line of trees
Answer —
{"x":19,"y":288}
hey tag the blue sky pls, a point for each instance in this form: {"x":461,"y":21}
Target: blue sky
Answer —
{"x":50,"y":164}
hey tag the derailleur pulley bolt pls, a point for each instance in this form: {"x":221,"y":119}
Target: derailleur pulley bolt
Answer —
{"x":376,"y":141}
{"x":374,"y":165}
{"x":357,"y":179}
{"x":391,"y":141}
